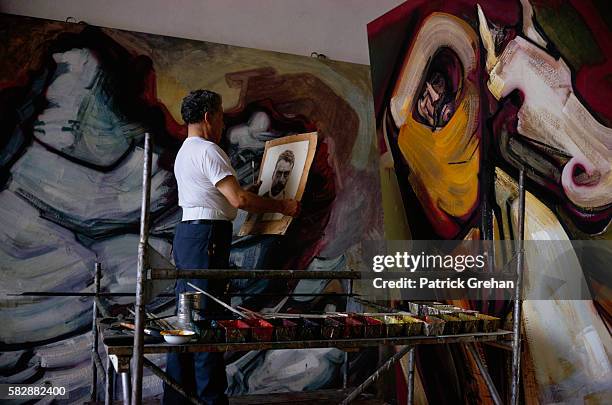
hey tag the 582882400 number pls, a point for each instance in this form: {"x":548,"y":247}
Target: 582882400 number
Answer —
{"x":29,"y":391}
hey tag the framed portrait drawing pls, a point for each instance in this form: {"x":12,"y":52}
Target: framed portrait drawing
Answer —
{"x":283,"y":174}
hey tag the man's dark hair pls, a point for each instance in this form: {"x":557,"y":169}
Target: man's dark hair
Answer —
{"x":287,"y":156}
{"x":198,"y":102}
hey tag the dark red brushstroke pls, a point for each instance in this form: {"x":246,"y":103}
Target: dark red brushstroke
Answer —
{"x":149,"y":96}
{"x":502,"y":12}
{"x":594,"y":83}
{"x":401,"y":387}
{"x":306,"y":97}
{"x":305,"y":236}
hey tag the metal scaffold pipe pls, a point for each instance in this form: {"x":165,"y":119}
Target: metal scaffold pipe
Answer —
{"x":518,"y":299}
{"x":137,"y":364}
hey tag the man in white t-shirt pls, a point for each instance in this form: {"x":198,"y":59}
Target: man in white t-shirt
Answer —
{"x":210,"y":196}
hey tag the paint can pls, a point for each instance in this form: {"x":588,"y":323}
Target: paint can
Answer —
{"x":189,"y":307}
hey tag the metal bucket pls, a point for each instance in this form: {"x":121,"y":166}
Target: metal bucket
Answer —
{"x":189,"y":306}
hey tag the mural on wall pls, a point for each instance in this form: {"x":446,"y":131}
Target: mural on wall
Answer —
{"x":75,"y":103}
{"x":466,"y":95}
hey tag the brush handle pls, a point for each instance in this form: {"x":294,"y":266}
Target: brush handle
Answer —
{"x":218,"y":301}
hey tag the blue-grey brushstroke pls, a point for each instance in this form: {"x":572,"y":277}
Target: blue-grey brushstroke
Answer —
{"x":81,"y":119}
{"x":86,"y":200}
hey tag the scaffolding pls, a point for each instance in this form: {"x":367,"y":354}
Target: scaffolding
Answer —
{"x":119,"y":357}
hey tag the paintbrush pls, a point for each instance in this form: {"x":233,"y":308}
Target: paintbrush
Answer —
{"x":253,"y":314}
{"x":218,"y":301}
{"x":160,"y":324}
{"x":148,"y":331}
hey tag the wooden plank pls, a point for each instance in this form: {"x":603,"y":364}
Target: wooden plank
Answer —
{"x":308,"y":344}
{"x":302,"y":398}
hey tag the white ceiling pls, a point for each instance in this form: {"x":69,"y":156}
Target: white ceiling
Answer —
{"x":336,"y":28}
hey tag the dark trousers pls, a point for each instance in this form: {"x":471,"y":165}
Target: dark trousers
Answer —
{"x":200,"y":246}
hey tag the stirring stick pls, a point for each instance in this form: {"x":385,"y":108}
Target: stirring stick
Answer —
{"x":159,"y":323}
{"x":218,"y":301}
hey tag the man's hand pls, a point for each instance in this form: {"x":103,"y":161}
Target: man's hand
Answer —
{"x":291,"y":208}
{"x":254,"y":188}
{"x":244,"y":200}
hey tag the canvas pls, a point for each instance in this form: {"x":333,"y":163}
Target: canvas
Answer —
{"x":466,"y":95}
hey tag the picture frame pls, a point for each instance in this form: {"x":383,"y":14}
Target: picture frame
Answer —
{"x":283,"y":174}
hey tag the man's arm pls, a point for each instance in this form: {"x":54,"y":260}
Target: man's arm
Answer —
{"x":244,"y":200}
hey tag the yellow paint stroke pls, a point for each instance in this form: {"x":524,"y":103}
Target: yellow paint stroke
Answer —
{"x":171,"y":92}
{"x":445,"y":162}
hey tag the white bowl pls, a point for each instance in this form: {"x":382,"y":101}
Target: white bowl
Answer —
{"x":177,"y":336}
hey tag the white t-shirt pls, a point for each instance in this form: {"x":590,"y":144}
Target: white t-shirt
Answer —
{"x":199,"y":166}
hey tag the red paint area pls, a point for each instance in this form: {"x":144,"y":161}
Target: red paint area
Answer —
{"x":594,"y":83}
{"x":502,"y":12}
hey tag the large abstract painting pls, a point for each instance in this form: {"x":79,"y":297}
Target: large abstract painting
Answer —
{"x":75,"y":103}
{"x":465,"y":96}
